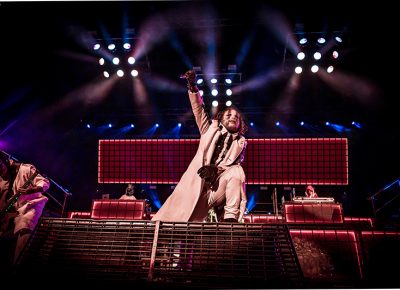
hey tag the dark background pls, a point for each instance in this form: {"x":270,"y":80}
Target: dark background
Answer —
{"x":48,"y":77}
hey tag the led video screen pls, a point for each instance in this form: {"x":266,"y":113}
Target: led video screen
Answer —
{"x":322,"y":161}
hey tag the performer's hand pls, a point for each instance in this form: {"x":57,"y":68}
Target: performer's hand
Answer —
{"x":190,"y":76}
{"x":30,"y":189}
{"x":209,"y":173}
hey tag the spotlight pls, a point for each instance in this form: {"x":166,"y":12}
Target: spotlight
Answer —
{"x":228,"y":103}
{"x":215,"y":103}
{"x":131,"y":60}
{"x":314,"y":68}
{"x":298,"y":70}
{"x":317,"y":55}
{"x":115,"y":60}
{"x":339,"y":39}
{"x":301,"y":55}
{"x":303,"y":41}
{"x":96,"y":46}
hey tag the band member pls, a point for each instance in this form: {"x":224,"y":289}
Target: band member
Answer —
{"x":215,"y":177}
{"x":21,"y":200}
{"x":129,"y":192}
{"x":310,"y":192}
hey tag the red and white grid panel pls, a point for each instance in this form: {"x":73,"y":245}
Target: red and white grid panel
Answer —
{"x":319,"y":161}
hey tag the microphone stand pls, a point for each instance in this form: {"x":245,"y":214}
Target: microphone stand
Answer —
{"x":64,"y":190}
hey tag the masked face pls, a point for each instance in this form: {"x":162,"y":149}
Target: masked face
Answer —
{"x":231,"y":120}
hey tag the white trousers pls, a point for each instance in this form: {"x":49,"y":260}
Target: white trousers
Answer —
{"x":229,"y":190}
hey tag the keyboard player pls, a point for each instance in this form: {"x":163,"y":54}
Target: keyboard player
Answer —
{"x":310,"y":192}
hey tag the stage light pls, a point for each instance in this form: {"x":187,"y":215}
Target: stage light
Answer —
{"x":301,"y":123}
{"x":329,"y":69}
{"x":301,"y":55}
{"x":314,"y":68}
{"x":317,"y":55}
{"x":277,"y":123}
{"x":115,"y":60}
{"x":132,"y":126}
{"x":324,"y":47}
{"x":106,"y":74}
{"x":218,"y":84}
{"x":88,"y":126}
{"x":109,"y":125}
{"x":303,"y":41}
{"x":251,"y":124}
{"x":96,"y":46}
{"x":298,"y":70}
{"x":134,"y":73}
{"x":215,"y":104}
{"x":179,"y":125}
{"x":321,"y":40}
{"x":119,"y":57}
{"x":157,"y":125}
{"x":120,"y":73}
{"x":131,"y":60}
{"x":228,"y":103}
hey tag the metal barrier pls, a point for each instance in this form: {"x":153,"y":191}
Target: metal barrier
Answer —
{"x":154,"y":253}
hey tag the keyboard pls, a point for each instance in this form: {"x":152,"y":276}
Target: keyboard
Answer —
{"x":302,"y":199}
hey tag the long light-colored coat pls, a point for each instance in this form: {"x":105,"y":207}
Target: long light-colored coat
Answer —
{"x":187,"y":203}
{"x":29,"y":206}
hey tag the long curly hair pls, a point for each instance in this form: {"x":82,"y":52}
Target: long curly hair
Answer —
{"x":5,"y":158}
{"x":242,"y":126}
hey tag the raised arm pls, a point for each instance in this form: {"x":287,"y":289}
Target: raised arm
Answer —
{"x":196,"y":101}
